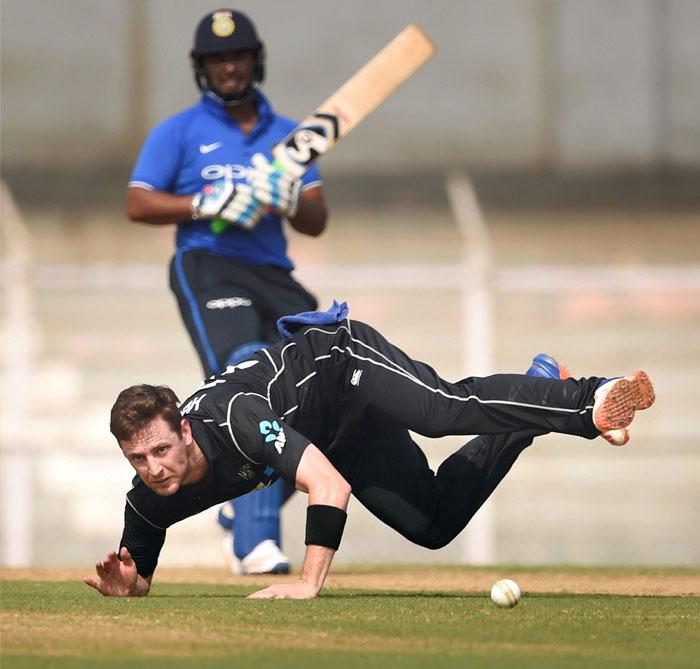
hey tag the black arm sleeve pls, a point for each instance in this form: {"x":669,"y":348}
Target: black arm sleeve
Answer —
{"x":143,"y":540}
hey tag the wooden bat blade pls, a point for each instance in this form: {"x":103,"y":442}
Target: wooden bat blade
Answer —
{"x":397,"y":62}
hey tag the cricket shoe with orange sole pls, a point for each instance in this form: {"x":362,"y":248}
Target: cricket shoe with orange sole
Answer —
{"x":615,"y":401}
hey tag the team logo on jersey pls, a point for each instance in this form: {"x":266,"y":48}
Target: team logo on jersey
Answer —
{"x":246,"y":472}
{"x":355,"y":378}
{"x":208,"y":148}
{"x":227,"y":171}
{"x":222,"y":24}
{"x":273,"y":434}
{"x":269,"y":472}
{"x":229,"y":303}
{"x":193,"y":404}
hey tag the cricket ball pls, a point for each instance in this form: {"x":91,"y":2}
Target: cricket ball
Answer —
{"x":505,"y":593}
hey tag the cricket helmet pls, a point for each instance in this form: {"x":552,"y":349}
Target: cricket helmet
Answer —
{"x":227,"y":30}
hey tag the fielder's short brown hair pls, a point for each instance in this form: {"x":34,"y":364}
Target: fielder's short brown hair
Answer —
{"x":139,"y":405}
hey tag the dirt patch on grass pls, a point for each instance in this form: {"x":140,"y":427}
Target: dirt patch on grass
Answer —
{"x":588,"y":581}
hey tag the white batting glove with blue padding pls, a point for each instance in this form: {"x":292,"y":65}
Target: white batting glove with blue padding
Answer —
{"x":274,"y":186}
{"x":227,"y":203}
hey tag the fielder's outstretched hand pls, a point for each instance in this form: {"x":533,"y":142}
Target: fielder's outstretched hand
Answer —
{"x":226,"y":202}
{"x":297,"y":590}
{"x":118,"y":578}
{"x":276,"y":188}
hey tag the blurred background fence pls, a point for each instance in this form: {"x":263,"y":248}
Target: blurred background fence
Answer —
{"x":577,"y":90}
{"x":579,"y":126}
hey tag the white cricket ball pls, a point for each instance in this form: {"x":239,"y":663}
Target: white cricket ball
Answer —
{"x":505,"y":593}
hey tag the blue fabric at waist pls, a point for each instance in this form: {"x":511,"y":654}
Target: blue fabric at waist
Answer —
{"x":242,"y":246}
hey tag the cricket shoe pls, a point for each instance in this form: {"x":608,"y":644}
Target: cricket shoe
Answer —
{"x":616,"y":400}
{"x":265,"y":558}
{"x":546,"y":366}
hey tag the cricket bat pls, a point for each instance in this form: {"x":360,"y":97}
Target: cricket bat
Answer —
{"x":317,"y":134}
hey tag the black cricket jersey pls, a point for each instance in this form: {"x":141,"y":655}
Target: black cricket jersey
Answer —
{"x":355,"y":396}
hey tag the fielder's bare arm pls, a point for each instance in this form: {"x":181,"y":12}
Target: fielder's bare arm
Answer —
{"x":330,"y":410}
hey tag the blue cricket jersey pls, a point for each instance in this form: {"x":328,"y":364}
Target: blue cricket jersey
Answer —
{"x":201,"y":144}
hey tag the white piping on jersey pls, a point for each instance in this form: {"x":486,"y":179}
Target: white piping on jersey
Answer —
{"x":278,"y":371}
{"x":211,"y":384}
{"x":227,"y":424}
{"x":140,"y":184}
{"x":305,"y":379}
{"x":328,"y":332}
{"x":406,"y":374}
{"x":398,"y":370}
{"x":140,"y":515}
{"x":269,"y":357}
{"x":418,"y":381}
{"x":381,"y":355}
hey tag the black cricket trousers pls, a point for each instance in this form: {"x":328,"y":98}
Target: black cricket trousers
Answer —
{"x":376,"y":393}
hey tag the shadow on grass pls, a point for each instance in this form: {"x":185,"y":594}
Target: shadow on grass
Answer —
{"x":389,"y":594}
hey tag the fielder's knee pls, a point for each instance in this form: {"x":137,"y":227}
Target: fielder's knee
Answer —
{"x":430,"y":537}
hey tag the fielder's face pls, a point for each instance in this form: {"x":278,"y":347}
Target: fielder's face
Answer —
{"x":229,"y":72}
{"x":161,"y":457}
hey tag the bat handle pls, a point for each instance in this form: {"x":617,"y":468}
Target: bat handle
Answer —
{"x":289,"y":166}
{"x":218,"y":225}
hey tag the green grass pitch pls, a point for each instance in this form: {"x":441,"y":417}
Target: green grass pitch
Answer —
{"x":62,"y":625}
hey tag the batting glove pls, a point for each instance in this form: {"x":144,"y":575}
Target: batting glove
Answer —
{"x":276,"y":187}
{"x":227,"y":203}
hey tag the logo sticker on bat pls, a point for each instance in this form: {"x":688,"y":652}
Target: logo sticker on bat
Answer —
{"x":314,"y":137}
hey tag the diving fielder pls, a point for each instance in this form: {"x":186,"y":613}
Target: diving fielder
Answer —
{"x":329,"y":411}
